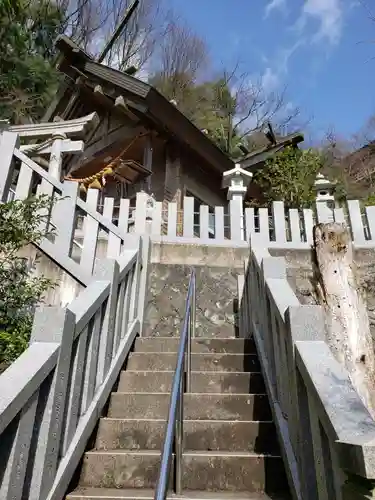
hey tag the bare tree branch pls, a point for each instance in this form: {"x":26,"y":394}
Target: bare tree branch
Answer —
{"x":91,"y":23}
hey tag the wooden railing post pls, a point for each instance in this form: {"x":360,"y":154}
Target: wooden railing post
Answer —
{"x":141,"y":213}
{"x":279,"y":225}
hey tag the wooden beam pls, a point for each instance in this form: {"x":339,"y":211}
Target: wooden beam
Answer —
{"x":101,"y":97}
{"x":78,"y":126}
{"x":122,"y":133}
{"x":73,"y":98}
{"x":120,"y":104}
{"x":67,"y":146}
{"x":55,"y":102}
{"x":147,"y":159}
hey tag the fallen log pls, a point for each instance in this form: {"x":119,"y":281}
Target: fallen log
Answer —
{"x":347,"y":323}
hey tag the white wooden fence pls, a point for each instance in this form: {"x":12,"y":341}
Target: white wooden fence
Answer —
{"x":80,"y":225}
{"x":20,"y":177}
{"x":275,"y":226}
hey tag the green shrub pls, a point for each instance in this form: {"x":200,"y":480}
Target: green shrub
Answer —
{"x":21,"y":223}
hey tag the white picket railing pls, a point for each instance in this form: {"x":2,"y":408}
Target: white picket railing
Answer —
{"x":75,"y":251}
{"x":276,"y":226}
{"x":52,"y":396}
{"x":81,"y":224}
{"x":326,"y":434}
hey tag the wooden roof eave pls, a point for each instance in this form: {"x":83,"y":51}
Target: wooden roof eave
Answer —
{"x":119,"y":105}
{"x":264,"y":154}
{"x":186,"y":132}
{"x":155,"y":107}
{"x":161,"y":111}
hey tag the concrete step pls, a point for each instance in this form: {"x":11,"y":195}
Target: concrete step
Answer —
{"x":209,"y":471}
{"x":204,"y":345}
{"x":206,"y":382}
{"x":200,"y":362}
{"x":149,"y":494}
{"x":196,"y":406}
{"x":199,"y":435}
{"x":173,"y":331}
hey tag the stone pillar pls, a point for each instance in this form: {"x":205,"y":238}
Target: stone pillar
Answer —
{"x":237,"y":180}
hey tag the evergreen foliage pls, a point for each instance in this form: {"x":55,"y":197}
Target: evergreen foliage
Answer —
{"x":289,"y":176}
{"x":20,"y":292}
{"x":28,"y":79}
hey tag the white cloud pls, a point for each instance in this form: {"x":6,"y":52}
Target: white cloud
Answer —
{"x":270,"y":80}
{"x":329,"y":14}
{"x":286,"y":54}
{"x":276,"y":70}
{"x":274,"y":5}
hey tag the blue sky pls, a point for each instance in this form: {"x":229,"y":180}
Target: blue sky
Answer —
{"x":321,"y":49}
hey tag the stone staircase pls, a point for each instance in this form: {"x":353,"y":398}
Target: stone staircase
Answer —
{"x":230,"y":445}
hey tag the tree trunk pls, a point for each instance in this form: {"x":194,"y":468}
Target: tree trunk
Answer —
{"x":347,"y":323}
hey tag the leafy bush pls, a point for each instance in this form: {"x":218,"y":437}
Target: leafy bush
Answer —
{"x":21,"y":223}
{"x":289,"y":176}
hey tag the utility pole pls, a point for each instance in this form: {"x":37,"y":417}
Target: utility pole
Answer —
{"x":120,"y":28}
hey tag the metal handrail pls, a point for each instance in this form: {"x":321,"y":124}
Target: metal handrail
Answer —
{"x":174,"y":429}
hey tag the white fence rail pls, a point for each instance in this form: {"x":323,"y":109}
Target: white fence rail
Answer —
{"x":327,"y":436}
{"x":81,"y":224}
{"x":52,"y":396}
{"x":20,"y":177}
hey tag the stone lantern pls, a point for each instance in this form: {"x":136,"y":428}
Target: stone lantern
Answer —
{"x":324,"y":189}
{"x":325,"y":199}
{"x":237,"y":180}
